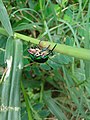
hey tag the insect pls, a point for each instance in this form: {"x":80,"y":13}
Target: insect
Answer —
{"x":40,"y":55}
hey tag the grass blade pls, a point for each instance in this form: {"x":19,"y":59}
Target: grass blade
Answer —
{"x":54,"y":108}
{"x":87,"y":42}
{"x":27,"y":103}
{"x":6,"y":83}
{"x":5,"y":19}
{"x":14,"y":100}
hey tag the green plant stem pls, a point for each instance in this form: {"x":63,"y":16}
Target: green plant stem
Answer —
{"x":80,"y":53}
{"x":42,"y":90}
{"x":27,"y":102}
{"x":42,"y":8}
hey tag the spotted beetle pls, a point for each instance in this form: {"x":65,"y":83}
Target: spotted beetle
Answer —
{"x":40,"y":55}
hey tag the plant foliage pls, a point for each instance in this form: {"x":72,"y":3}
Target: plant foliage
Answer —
{"x":59,"y":88}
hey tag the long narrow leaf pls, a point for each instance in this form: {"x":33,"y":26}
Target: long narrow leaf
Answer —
{"x":87,"y":42}
{"x":4,"y":18}
{"x":54,"y":108}
{"x":5,"y":91}
{"x":27,"y":103}
{"x":14,"y":100}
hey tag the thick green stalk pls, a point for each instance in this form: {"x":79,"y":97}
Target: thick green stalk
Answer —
{"x":42,"y":90}
{"x":80,"y":53}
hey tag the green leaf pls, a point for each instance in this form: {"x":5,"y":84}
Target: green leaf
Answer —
{"x":9,"y":48}
{"x":15,"y":81}
{"x":45,"y":66}
{"x":27,"y":102}
{"x":87,"y":42}
{"x":54,"y":107}
{"x":27,"y":26}
{"x":4,"y":18}
{"x":6,"y":84}
{"x":44,"y":113}
{"x":2,"y":49}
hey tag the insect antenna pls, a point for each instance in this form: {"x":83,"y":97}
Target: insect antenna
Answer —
{"x":51,"y":51}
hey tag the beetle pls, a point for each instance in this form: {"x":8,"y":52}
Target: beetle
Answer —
{"x":40,"y":55}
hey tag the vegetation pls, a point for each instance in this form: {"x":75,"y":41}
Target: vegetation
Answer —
{"x":58,"y":89}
